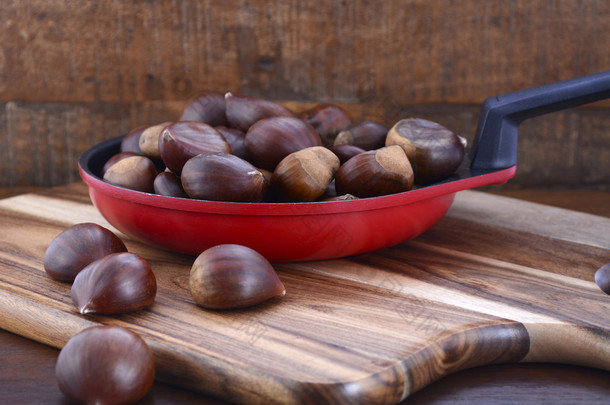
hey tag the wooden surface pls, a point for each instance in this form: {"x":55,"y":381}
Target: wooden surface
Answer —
{"x":591,"y":202}
{"x":357,"y":51}
{"x":425,"y":307}
{"x":75,"y":73}
{"x":27,"y":376}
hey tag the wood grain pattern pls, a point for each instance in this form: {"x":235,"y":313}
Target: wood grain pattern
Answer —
{"x":32,"y":376}
{"x":374,"y":327}
{"x":357,"y":51}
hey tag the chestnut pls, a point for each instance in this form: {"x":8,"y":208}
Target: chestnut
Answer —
{"x":304,"y":175}
{"x":131,"y":141}
{"x":435,"y":152}
{"x":243,"y":111}
{"x":183,"y":140}
{"x":105,"y":365}
{"x":115,"y":158}
{"x":77,"y":247}
{"x":374,"y":173}
{"x":270,"y":140}
{"x":115,"y":284}
{"x":345,"y":152}
{"x":134,"y":172}
{"x":149,"y":140}
{"x":168,"y":184}
{"x":223,"y":177}
{"x":236,"y":139}
{"x":233,"y":276}
{"x":328,"y":120}
{"x":367,"y":135}
{"x":206,"y":107}
{"x":602,"y":278}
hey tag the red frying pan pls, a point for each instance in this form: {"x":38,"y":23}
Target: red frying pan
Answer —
{"x":322,"y":230}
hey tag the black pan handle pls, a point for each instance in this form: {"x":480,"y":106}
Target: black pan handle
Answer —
{"x":495,"y":142}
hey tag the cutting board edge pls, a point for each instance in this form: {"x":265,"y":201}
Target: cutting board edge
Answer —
{"x":568,"y":343}
{"x":506,"y":342}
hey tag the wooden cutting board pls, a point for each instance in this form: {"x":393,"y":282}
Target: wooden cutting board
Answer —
{"x":497,"y":280}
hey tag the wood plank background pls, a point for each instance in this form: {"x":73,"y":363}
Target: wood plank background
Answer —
{"x":74,"y":73}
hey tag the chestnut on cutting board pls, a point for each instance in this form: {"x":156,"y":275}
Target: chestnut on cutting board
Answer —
{"x":115,"y":284}
{"x":77,"y":247}
{"x":233,"y":276}
{"x":105,"y":365}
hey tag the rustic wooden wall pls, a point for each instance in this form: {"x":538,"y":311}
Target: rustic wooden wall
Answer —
{"x":74,"y":73}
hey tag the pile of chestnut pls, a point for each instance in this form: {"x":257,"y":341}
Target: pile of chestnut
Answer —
{"x":102,"y":364}
{"x":244,"y":149}
{"x":111,"y":364}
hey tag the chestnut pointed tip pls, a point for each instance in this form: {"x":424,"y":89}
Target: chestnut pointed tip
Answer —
{"x":116,"y":284}
{"x":84,"y":310}
{"x":228,"y":95}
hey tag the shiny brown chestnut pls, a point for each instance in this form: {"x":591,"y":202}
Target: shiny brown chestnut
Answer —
{"x":77,"y":247}
{"x":328,"y":120}
{"x":105,"y":365}
{"x":345,"y":152}
{"x":223,"y":177}
{"x":118,"y":283}
{"x":168,"y":184}
{"x":374,"y":173}
{"x":304,"y":175}
{"x":233,"y":276}
{"x":206,"y":107}
{"x":115,"y":158}
{"x":236,"y":139}
{"x":435,"y":152}
{"x":367,"y":135}
{"x":149,"y":140}
{"x":183,"y":140}
{"x":131,"y":141}
{"x":243,"y":111}
{"x":270,"y":140}
{"x":134,"y":172}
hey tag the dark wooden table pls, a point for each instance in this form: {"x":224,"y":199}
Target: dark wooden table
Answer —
{"x":27,"y":367}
